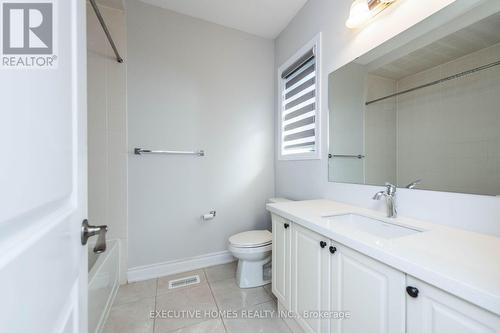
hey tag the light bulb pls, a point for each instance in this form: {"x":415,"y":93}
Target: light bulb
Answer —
{"x":359,"y":14}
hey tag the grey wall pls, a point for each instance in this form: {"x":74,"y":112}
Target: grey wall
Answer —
{"x":196,"y":85}
{"x":346,"y":99}
{"x":309,"y":179}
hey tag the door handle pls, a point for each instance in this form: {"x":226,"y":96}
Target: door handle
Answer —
{"x":91,"y":230}
{"x":322,"y":244}
{"x":286,"y":225}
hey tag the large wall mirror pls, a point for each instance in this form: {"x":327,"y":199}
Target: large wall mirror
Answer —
{"x":429,"y":112}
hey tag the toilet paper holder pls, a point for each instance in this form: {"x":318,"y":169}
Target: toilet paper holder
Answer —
{"x":209,"y":216}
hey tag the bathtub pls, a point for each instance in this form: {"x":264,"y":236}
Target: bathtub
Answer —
{"x":103,"y":284}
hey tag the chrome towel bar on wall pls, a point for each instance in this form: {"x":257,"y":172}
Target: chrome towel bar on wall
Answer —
{"x":347,"y":156}
{"x":141,"y":151}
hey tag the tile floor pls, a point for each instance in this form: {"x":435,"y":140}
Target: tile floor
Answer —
{"x":217,"y":292}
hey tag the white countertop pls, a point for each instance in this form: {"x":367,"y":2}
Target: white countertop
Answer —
{"x":463,"y":263}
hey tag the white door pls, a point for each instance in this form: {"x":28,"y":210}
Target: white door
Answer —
{"x":310,"y":279}
{"x":43,"y":274}
{"x":281,"y":260}
{"x":371,"y":291}
{"x":432,"y":310}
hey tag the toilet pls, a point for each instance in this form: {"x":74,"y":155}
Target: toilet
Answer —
{"x":253,"y":251}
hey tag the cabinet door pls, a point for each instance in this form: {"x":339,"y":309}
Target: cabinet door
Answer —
{"x":281,"y":260}
{"x":372,"y":292}
{"x":435,"y":311}
{"x":310,"y":277}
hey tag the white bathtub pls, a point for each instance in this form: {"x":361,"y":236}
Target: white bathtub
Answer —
{"x":103,"y":284}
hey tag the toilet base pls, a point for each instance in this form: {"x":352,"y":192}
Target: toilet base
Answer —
{"x":251,"y":274}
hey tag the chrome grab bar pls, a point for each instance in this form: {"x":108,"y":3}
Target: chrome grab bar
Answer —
{"x":348,"y":156}
{"x":140,"y":151}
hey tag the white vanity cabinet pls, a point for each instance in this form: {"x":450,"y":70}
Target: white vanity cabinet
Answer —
{"x":436,"y":311}
{"x":281,"y":272}
{"x":313,"y":276}
{"x":328,"y":277}
{"x":310,"y":282}
{"x":371,"y":291}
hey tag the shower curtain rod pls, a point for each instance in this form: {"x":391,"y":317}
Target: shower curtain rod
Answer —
{"x":106,"y":31}
{"x":456,"y":76}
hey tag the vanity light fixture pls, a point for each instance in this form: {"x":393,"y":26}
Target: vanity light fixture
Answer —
{"x":363,"y":10}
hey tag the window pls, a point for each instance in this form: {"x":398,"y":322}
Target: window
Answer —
{"x":299,"y":105}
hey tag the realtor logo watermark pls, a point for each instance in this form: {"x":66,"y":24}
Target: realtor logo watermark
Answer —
{"x":28,"y":34}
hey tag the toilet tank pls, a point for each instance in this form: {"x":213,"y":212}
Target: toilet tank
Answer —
{"x":276,"y":200}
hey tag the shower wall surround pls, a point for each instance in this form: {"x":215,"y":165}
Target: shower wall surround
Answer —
{"x":107,"y":128}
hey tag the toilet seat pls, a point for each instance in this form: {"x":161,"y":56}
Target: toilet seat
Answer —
{"x":251,"y":239}
{"x":250,"y":250}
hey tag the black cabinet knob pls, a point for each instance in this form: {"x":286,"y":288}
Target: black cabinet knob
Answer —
{"x":322,"y":244}
{"x":412,"y":291}
{"x":333,"y":249}
{"x":286,"y":225}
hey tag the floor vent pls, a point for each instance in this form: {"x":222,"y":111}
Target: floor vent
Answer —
{"x":183,"y":282}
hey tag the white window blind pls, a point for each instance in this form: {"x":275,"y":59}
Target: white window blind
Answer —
{"x":299,"y":107}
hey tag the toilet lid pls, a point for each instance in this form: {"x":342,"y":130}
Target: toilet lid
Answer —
{"x":252,"y":238}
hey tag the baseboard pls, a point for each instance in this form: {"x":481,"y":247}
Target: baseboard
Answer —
{"x":147,"y":272}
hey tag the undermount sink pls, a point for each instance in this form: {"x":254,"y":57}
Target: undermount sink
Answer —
{"x":369,"y":225}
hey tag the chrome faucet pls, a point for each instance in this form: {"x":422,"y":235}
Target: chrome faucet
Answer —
{"x":390,"y":198}
{"x":413,"y":184}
